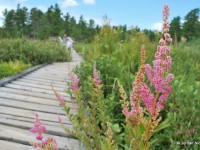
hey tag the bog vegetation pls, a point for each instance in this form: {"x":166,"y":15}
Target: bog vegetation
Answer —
{"x":112,"y":62}
{"x":102,"y":84}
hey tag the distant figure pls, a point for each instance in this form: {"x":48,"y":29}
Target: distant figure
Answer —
{"x":69,"y":43}
{"x":65,"y":39}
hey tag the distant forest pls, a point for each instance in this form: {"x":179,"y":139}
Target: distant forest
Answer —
{"x":37,"y":24}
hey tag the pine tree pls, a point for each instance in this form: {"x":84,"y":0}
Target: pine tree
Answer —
{"x":191,"y":26}
{"x":175,"y":29}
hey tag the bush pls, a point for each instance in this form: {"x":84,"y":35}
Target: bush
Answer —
{"x":11,"y":68}
{"x":32,"y":51}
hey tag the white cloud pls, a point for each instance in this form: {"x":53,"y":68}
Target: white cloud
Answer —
{"x":69,"y":3}
{"x":88,"y":2}
{"x":157,"y":26}
{"x":20,"y":1}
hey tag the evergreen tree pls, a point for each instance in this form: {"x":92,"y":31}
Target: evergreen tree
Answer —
{"x":35,"y":18}
{"x":175,"y":29}
{"x":67,"y":24}
{"x":21,"y":20}
{"x":191,"y":26}
{"x":9,"y":23}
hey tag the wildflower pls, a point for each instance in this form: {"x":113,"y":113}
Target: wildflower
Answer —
{"x":38,"y":128}
{"x":74,"y":82}
{"x":96,"y":78}
{"x":156,"y":75}
{"x":148,"y":98}
{"x":59,"y":97}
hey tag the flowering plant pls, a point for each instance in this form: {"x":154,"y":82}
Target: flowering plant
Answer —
{"x":44,"y":144}
{"x":93,"y":124}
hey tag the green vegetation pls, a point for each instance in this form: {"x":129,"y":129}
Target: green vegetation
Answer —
{"x":11,"y":68}
{"x":119,"y":60}
{"x":32,"y":51}
{"x":27,"y":52}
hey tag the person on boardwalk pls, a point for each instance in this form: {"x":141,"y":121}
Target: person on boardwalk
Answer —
{"x":65,"y":39}
{"x":69,"y":43}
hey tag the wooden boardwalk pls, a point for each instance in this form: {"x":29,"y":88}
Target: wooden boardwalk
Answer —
{"x":20,"y":99}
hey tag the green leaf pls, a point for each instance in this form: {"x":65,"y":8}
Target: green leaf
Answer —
{"x":116,"y":128}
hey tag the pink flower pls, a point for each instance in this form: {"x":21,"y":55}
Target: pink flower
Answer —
{"x":148,"y":98}
{"x":96,"y":78}
{"x":39,"y":137}
{"x":60,"y":98}
{"x":169,"y":77}
{"x":74,"y":82}
{"x":38,"y":128}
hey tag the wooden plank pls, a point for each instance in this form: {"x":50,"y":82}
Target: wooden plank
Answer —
{"x":35,"y":85}
{"x":42,"y":83}
{"x":50,"y":75}
{"x":31,"y":106}
{"x":53,"y":130}
{"x":7,"y":145}
{"x":25,"y":137}
{"x":32,"y":89}
{"x":42,"y":101}
{"x":21,"y":74}
{"x":48,"y":81}
{"x":30,"y":114}
{"x":30,"y":93}
{"x":51,"y":78}
{"x":25,"y":119}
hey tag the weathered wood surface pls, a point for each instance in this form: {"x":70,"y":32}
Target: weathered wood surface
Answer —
{"x":24,"y":96}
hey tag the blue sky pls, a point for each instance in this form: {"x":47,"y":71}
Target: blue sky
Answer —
{"x":141,"y":13}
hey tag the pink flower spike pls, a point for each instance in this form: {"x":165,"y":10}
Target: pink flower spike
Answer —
{"x":96,"y":78}
{"x":59,"y":97}
{"x":74,"y":82}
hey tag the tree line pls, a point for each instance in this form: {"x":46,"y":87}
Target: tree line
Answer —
{"x":41,"y":25}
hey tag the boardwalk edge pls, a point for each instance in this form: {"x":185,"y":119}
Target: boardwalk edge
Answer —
{"x":9,"y":79}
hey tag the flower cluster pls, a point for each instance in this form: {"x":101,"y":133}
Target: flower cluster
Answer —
{"x":74,"y":81}
{"x":48,"y":144}
{"x":96,"y":78}
{"x":157,"y":74}
{"x":136,"y":109}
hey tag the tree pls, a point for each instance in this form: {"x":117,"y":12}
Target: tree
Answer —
{"x":21,"y":20}
{"x":54,"y":19}
{"x":35,"y":18}
{"x":83,"y":28}
{"x":9,"y":22}
{"x":191,"y":26}
{"x":67,"y":24}
{"x":175,"y":29}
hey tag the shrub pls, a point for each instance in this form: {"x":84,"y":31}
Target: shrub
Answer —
{"x":11,"y":68}
{"x":32,"y":51}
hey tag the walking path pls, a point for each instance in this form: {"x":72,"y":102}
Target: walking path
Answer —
{"x":20,"y":99}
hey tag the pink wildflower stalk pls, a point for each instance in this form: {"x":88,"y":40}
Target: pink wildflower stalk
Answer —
{"x":161,"y":66}
{"x":136,"y":109}
{"x":59,"y":97}
{"x":74,"y":82}
{"x":96,"y":78}
{"x":38,"y":128}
